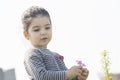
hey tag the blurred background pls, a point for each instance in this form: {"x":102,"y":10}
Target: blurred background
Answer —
{"x":82,"y":29}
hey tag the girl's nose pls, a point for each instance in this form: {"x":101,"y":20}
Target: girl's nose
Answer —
{"x":43,"y":31}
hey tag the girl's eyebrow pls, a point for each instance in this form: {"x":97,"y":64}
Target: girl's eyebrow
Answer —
{"x":39,"y":26}
{"x":47,"y":24}
{"x":35,"y":27}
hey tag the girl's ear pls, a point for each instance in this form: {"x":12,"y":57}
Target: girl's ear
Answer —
{"x":26,"y":35}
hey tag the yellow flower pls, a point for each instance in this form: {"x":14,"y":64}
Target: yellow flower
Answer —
{"x":105,"y":65}
{"x":107,"y":77}
{"x":104,"y":53}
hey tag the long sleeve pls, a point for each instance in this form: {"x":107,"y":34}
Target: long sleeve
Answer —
{"x":62,"y":64}
{"x":37,"y":69}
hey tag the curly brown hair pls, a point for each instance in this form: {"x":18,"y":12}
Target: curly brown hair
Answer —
{"x":31,"y":13}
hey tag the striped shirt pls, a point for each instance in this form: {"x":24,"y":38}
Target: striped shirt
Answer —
{"x":42,"y":64}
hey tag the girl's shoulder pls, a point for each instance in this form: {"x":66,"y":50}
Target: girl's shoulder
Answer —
{"x":31,"y":52}
{"x":37,"y":52}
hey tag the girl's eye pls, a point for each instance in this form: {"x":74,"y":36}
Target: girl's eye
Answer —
{"x":36,"y":30}
{"x":47,"y":28}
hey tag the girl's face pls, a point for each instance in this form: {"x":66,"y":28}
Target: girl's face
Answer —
{"x":39,"y":32}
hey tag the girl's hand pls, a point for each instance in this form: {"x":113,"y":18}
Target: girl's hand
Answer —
{"x":73,"y":72}
{"x":84,"y":74}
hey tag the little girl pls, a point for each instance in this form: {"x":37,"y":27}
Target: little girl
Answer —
{"x":41,"y":63}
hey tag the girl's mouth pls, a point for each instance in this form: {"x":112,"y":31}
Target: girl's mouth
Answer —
{"x":44,"y":38}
